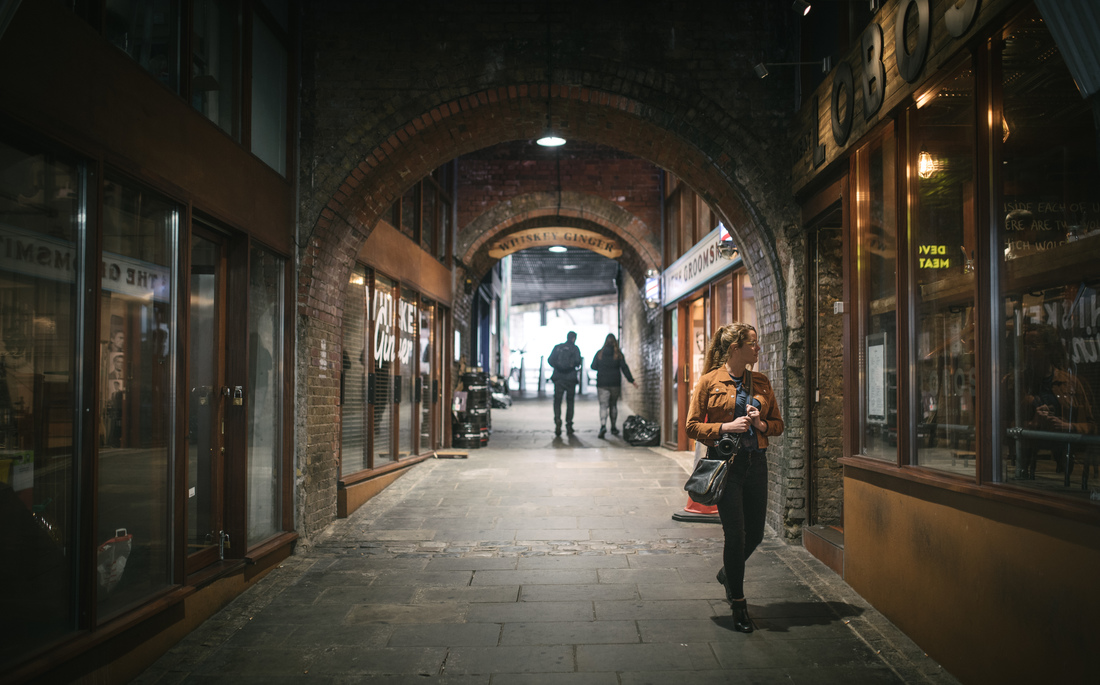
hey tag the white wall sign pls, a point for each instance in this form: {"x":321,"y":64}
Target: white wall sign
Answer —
{"x":698,"y":265}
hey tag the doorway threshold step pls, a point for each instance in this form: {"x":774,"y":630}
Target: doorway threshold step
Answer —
{"x":826,"y":543}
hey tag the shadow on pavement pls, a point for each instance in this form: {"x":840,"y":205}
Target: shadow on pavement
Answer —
{"x":780,"y":617}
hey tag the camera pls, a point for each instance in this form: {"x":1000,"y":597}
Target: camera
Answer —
{"x":728,"y":445}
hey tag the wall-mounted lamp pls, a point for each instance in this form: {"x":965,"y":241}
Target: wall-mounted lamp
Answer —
{"x":761,"y":69}
{"x":926,"y":164}
{"x":801,"y":6}
{"x":557,"y":248}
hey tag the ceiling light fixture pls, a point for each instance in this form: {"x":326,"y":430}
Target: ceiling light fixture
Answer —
{"x":761,"y":68}
{"x":549,"y":137}
{"x":557,"y":248}
{"x":801,"y":6}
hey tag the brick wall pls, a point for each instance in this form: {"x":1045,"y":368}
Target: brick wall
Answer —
{"x":828,"y":353}
{"x":641,"y":344}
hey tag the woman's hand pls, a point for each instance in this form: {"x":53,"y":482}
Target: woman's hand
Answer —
{"x":754,"y":415}
{"x":738,"y":425}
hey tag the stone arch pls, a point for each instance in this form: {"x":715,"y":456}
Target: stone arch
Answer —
{"x":573,"y":209}
{"x":514,"y":113}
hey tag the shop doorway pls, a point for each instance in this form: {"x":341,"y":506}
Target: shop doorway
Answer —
{"x":208,"y":396}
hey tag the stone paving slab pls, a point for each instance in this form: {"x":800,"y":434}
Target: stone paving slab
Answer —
{"x":540,"y":561}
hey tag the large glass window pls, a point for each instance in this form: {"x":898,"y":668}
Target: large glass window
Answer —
{"x":425,"y":358}
{"x":136,"y":396}
{"x":1048,"y":227}
{"x":941,"y":259}
{"x":215,"y":62}
{"x":269,"y":95}
{"x":384,"y":347}
{"x":353,"y":379}
{"x":876,"y":239}
{"x":148,"y":31}
{"x":406,"y":357}
{"x":265,"y":404}
{"x":42,"y":206}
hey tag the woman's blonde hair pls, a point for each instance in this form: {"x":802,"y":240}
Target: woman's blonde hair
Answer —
{"x":734,"y":335}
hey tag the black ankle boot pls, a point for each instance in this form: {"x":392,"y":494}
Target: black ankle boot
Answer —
{"x":742,"y":623}
{"x":722,"y":579}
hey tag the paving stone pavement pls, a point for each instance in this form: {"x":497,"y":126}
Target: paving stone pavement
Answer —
{"x":540,"y":561}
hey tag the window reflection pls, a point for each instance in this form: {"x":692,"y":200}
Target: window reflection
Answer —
{"x":136,"y":399}
{"x":265,"y":382}
{"x":427,"y":314}
{"x":148,"y":31}
{"x":876,"y":216}
{"x":41,"y":205}
{"x":353,"y":379}
{"x":383,"y":318}
{"x":215,"y":62}
{"x":1049,"y":240}
{"x":406,"y":356}
{"x":942,"y":264}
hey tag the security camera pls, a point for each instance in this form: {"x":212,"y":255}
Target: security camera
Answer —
{"x":727,"y":249}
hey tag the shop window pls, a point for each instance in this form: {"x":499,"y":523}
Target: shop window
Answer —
{"x":444,"y":229}
{"x":384,"y":353}
{"x":1048,"y":245}
{"x":406,"y":364}
{"x":215,"y":62}
{"x":269,"y":95}
{"x":266,"y":314}
{"x":42,"y":209}
{"x":149,"y":32}
{"x":942,"y":264}
{"x":876,"y":238}
{"x":136,"y":397}
{"x":353,"y":378}
{"x":673,"y":364}
{"x":425,"y":356}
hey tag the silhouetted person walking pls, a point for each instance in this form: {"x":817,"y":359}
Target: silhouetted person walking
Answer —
{"x":610,"y":367}
{"x":565,"y":359}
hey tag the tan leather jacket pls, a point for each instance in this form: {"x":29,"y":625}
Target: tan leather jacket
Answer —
{"x":714,"y":400}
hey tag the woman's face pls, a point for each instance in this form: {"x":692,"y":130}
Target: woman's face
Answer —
{"x":748,"y":353}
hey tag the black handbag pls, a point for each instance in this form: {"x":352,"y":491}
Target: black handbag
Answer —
{"x":707,"y":483}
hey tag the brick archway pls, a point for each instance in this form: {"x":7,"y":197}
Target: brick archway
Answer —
{"x":482,"y":119}
{"x":572,"y":209}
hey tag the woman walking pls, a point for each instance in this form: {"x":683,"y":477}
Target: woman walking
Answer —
{"x":610,"y":367}
{"x":731,"y":398}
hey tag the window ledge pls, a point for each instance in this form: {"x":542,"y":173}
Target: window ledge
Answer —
{"x":1002,"y":493}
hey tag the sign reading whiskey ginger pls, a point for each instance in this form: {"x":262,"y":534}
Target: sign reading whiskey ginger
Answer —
{"x":548,"y":237}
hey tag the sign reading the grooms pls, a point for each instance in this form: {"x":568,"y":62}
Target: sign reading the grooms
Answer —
{"x":41,"y":256}
{"x":549,"y":237}
{"x":701,"y":263}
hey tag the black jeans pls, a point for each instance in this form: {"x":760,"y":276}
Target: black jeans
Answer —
{"x":742,"y":510}
{"x":569,"y":390}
